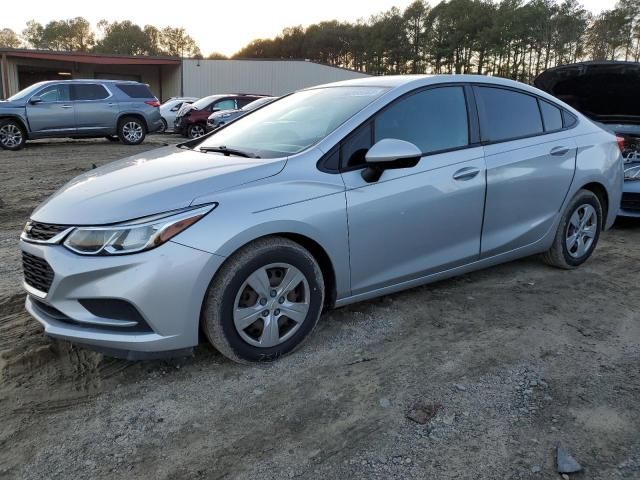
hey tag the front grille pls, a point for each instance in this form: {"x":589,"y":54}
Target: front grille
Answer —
{"x":43,"y":231}
{"x":631,"y":201}
{"x":37,"y":272}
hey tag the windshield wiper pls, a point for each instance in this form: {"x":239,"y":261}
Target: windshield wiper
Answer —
{"x":228,"y":151}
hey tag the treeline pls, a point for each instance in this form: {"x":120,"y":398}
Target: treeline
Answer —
{"x":512,"y":38}
{"x":122,"y":38}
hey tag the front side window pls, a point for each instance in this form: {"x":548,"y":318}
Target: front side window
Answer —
{"x":89,"y":91}
{"x":433,"y":120}
{"x":224,"y":105}
{"x":54,"y":93}
{"x":293,"y":123}
{"x":506,"y":114}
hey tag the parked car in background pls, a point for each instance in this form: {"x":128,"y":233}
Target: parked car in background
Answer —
{"x":218,"y":119}
{"x":169,"y":110}
{"x":118,"y":110}
{"x":191,"y":120}
{"x":326,"y":197}
{"x":609,"y":94}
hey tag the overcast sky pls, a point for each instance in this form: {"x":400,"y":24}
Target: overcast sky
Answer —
{"x":225,"y":25}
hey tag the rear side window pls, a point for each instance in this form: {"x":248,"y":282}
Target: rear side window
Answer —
{"x":243,"y":101}
{"x":433,"y":120}
{"x":551,"y":115}
{"x":506,"y":114}
{"x":133,"y":90}
{"x":89,"y":91}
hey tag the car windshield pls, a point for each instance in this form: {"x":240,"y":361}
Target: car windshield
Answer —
{"x":293,"y":123}
{"x":26,"y":92}
{"x":204,"y":102}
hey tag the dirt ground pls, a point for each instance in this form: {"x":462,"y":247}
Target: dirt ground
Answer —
{"x":510,"y":361}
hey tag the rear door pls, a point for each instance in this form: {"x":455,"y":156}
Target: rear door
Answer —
{"x":530,"y":158}
{"x":96,"y":108}
{"x":54,"y":114}
{"x":419,"y":220}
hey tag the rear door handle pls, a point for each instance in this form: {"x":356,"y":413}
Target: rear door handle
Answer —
{"x":559,"y":151}
{"x":67,"y":106}
{"x":466,"y":173}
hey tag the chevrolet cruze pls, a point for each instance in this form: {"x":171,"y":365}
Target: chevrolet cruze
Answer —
{"x":326,"y":197}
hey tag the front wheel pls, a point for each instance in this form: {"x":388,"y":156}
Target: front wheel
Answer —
{"x":578,"y":232}
{"x":163,"y":127}
{"x":196,"y":130}
{"x":12,"y":135}
{"x":264,"y":302}
{"x":131,"y":131}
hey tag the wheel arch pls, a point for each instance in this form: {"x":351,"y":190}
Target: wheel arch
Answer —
{"x":319,"y":253}
{"x":137,"y":115}
{"x":600,"y":191}
{"x":19,"y":119}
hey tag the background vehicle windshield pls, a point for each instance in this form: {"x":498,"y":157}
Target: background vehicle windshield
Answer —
{"x":203,"y":102}
{"x":293,"y":123}
{"x":26,"y":92}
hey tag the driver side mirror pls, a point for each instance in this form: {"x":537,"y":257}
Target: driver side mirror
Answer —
{"x":389,"y":153}
{"x":35,"y":100}
{"x":176,"y":108}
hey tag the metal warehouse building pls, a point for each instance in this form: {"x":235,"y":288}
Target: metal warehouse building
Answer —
{"x":167,"y":76}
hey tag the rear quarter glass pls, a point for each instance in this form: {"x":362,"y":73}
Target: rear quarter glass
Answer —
{"x":135,"y":90}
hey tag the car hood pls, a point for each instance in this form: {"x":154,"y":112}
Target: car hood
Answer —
{"x":604,"y":91}
{"x":8,"y":104}
{"x":149,"y":183}
{"x":184,"y":109}
{"x":223,"y":114}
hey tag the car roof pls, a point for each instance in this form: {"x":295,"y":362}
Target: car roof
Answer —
{"x":92,"y":80}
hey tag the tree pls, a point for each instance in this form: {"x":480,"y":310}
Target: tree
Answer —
{"x":9,"y":39}
{"x":176,"y":42}
{"x":68,"y":35}
{"x":217,"y":56}
{"x":124,"y":38}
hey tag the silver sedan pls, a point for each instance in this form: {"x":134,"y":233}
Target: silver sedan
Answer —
{"x":328,"y":196}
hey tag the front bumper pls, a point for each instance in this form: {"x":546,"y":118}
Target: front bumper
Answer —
{"x":166,"y":285}
{"x":630,"y":206}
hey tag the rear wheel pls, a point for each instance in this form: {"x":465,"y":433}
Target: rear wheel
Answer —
{"x":578,"y":232}
{"x":196,"y":130}
{"x":163,"y":128}
{"x":12,"y":135}
{"x":264,"y":302}
{"x":131,"y":131}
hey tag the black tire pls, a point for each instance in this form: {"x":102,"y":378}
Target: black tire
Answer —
{"x":217,"y":319}
{"x":163,"y":128}
{"x":13,"y":136}
{"x":196,"y":130}
{"x":126,"y":128}
{"x":112,"y":138}
{"x":559,"y":254}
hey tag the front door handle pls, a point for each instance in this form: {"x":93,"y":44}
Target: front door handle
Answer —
{"x":559,"y":151}
{"x":67,"y":106}
{"x":466,"y":173}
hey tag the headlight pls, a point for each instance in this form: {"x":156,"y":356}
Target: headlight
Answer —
{"x":632,"y":173}
{"x":136,"y":236}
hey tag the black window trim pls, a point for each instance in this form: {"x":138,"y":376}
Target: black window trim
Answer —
{"x":538,"y":99}
{"x":473,"y":125}
{"x":72,"y":92}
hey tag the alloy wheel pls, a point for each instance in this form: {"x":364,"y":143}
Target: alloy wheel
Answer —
{"x":271,"y":305}
{"x":197,"y":131}
{"x":581,"y":230}
{"x":10,"y":136}
{"x":132,"y":131}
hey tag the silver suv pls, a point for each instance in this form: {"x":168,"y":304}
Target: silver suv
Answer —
{"x":117,"y":110}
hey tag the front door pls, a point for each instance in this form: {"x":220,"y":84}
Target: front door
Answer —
{"x":50,"y":112}
{"x":420,"y":220}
